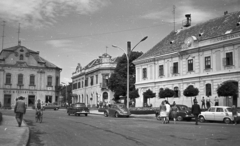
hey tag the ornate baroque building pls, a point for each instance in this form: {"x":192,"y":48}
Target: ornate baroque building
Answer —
{"x":204,"y":55}
{"x":24,"y":73}
{"x":90,"y":82}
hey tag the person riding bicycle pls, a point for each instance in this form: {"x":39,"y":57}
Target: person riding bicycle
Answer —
{"x":39,"y":107}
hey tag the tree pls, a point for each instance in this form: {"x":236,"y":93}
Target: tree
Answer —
{"x":118,"y":80}
{"x":149,"y":94}
{"x":190,"y":91}
{"x":166,"y":93}
{"x":227,"y":88}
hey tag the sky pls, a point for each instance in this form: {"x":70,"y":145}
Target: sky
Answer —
{"x":68,"y":32}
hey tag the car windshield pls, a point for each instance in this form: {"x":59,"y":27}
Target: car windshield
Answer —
{"x":229,"y":109}
{"x":183,"y":108}
{"x":121,"y":106}
{"x":80,"y":105}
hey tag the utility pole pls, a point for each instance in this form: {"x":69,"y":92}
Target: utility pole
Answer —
{"x":3,"y":33}
{"x":18,"y":32}
{"x":174,"y":7}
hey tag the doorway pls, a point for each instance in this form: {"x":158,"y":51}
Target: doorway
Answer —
{"x":7,"y":100}
{"x":31,"y":100}
{"x":48,"y":99}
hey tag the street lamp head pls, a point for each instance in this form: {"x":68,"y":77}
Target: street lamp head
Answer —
{"x":144,"y":38}
{"x":114,"y":46}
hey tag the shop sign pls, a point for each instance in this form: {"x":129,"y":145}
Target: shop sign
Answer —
{"x":19,"y":91}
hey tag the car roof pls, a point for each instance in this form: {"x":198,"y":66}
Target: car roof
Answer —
{"x":222,"y":106}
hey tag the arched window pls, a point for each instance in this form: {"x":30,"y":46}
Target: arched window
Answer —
{"x":8,"y":78}
{"x":49,"y":81}
{"x":20,"y":79}
{"x":105,"y":96}
{"x":208,"y":90}
{"x":176,"y":94}
{"x":32,"y":80}
{"x":21,"y":57}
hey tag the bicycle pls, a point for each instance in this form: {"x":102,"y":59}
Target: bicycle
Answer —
{"x":39,"y":116}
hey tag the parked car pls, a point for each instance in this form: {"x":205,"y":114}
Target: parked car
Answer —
{"x":218,"y":113}
{"x":78,"y":109}
{"x":183,"y":113}
{"x":54,"y":106}
{"x":117,"y":110}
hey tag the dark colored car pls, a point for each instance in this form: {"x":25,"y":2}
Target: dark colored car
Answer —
{"x":117,"y":110}
{"x":53,"y":106}
{"x":78,"y":109}
{"x":183,"y":113}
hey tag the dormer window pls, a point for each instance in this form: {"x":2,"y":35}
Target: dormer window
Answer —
{"x":229,"y":31}
{"x":21,"y":57}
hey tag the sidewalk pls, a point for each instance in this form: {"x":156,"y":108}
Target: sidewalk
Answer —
{"x":11,"y":134}
{"x":148,"y":116}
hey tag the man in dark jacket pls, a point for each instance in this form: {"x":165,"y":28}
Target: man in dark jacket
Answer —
{"x":20,"y":109}
{"x":196,"y":111}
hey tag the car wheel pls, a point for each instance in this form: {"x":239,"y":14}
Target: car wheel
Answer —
{"x":201,"y":119}
{"x":127,"y":116}
{"x":227,"y":120}
{"x":116,"y":115}
{"x":86,"y":114}
{"x":179,"y":118}
{"x":105,"y":114}
{"x":78,"y":114}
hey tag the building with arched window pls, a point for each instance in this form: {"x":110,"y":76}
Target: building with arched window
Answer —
{"x":90,"y":82}
{"x":24,"y":73}
{"x":204,"y":55}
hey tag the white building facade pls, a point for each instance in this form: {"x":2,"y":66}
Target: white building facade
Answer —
{"x":24,"y":73}
{"x":90,"y":82}
{"x":204,"y":55}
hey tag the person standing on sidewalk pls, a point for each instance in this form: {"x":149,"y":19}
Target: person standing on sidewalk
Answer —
{"x":19,"y":110}
{"x":203,"y":103}
{"x":168,"y":109}
{"x":174,"y":112}
{"x":196,"y":111}
{"x":234,"y":114}
{"x":216,"y":101}
{"x":162,"y":112}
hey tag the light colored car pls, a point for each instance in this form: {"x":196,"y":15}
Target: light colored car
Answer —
{"x":53,"y":106}
{"x":218,"y":113}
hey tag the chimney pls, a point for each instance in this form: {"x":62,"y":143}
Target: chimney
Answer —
{"x":226,"y":12}
{"x":187,"y":23}
{"x":19,"y":43}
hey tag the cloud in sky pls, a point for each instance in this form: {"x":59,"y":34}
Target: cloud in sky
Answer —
{"x":39,"y":13}
{"x":198,"y":14}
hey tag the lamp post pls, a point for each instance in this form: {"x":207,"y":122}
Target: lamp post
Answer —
{"x":128,"y":53}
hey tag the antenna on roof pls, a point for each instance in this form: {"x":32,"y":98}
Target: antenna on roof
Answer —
{"x":19,"y":42}
{"x":174,"y":7}
{"x":106,"y":49}
{"x":3,"y":33}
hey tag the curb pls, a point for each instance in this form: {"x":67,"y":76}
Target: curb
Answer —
{"x":132,"y":116}
{"x":25,"y":136}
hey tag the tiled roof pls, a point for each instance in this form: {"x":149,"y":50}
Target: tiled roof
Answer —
{"x":212,"y":28}
{"x":6,"y":52}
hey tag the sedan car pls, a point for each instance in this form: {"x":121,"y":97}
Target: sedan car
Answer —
{"x":78,"y":109}
{"x":218,"y":113}
{"x":53,"y":106}
{"x":183,"y":113}
{"x":117,"y":110}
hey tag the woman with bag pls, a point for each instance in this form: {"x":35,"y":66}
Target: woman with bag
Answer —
{"x":162,"y":112}
{"x":174,"y":111}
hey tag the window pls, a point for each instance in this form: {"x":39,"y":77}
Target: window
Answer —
{"x":49,"y":81}
{"x":212,"y":109}
{"x":32,"y":80}
{"x":20,"y":79}
{"x":176,"y":92}
{"x":144,"y":73}
{"x":219,"y":110}
{"x":229,"y":58}
{"x":21,"y":57}
{"x":91,"y":78}
{"x":161,"y":71}
{"x":86,"y":82}
{"x":8,"y":78}
{"x":190,"y":65}
{"x":207,"y":62}
{"x":96,"y":79}
{"x":79,"y":84}
{"x":57,"y":81}
{"x":208,"y":90}
{"x":175,"y":67}
{"x":82,"y":84}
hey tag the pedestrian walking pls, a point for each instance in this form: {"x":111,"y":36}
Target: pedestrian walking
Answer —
{"x":168,"y":109}
{"x":174,"y":112}
{"x":19,"y":110}
{"x":234,"y":114}
{"x":194,"y":100}
{"x":216,"y":101}
{"x":196,"y":111}
{"x":162,"y":112}
{"x":203,"y":103}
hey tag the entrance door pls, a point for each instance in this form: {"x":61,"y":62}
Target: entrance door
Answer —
{"x":105,"y":97}
{"x":7,"y":101}
{"x":48,"y":99}
{"x":31,"y":100}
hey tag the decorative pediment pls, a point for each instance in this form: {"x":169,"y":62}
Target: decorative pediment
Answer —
{"x":188,"y":42}
{"x":21,"y":64}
